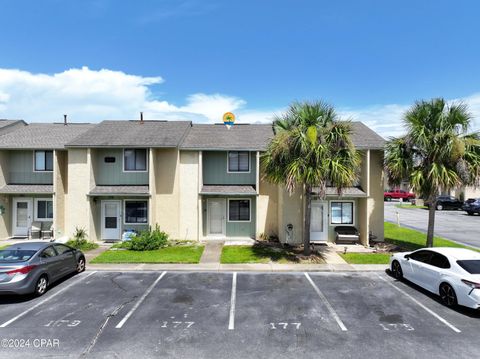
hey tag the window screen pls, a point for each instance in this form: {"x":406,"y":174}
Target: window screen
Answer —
{"x":239,"y":210}
{"x":342,"y":212}
{"x":135,"y":159}
{"x":135,"y":212}
{"x":238,"y":161}
{"x":43,"y":160}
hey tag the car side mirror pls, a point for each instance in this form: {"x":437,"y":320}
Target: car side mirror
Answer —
{"x":407,"y":257}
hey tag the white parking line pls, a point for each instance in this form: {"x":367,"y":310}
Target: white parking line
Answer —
{"x":455,"y":329}
{"x":332,"y":311}
{"x":45,"y":300}
{"x":231,"y":322}
{"x":137,"y":304}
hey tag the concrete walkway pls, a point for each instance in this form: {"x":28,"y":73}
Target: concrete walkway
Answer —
{"x":212,"y":252}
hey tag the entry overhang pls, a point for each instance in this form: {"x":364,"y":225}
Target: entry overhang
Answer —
{"x":228,"y":190}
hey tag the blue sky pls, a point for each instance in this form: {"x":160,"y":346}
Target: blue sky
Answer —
{"x":196,"y":59}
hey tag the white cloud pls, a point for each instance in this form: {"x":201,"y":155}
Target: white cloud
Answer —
{"x":92,"y":96}
{"x":387,"y":119}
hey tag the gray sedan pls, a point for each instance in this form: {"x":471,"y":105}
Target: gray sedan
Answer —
{"x":31,"y":267}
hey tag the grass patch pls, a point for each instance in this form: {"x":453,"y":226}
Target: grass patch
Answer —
{"x":410,"y":239}
{"x":261,"y":253}
{"x":366,"y":258}
{"x":410,"y":206}
{"x":84,"y":246}
{"x":180,"y":254}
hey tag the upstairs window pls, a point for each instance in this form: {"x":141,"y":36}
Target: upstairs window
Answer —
{"x":238,"y":161}
{"x":135,"y":159}
{"x":43,"y":161}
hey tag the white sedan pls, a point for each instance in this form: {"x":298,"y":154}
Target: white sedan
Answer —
{"x":452,"y":273}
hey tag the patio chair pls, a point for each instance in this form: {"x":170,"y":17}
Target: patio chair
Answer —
{"x":47,"y":230}
{"x":35,"y":230}
{"x":346,"y":234}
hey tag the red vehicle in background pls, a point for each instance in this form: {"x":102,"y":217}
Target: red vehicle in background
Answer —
{"x":397,"y":194}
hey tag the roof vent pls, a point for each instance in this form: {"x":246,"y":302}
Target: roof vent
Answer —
{"x":141,"y":118}
{"x":64,"y":120}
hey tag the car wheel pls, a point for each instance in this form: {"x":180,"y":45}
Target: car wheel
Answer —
{"x":81,"y":265}
{"x":470,"y":213}
{"x":397,"y":270}
{"x":388,"y":199}
{"x":447,"y":295}
{"x":439,"y":207}
{"x":41,"y":286}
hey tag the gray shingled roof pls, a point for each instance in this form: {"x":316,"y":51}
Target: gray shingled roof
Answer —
{"x":43,"y":135}
{"x":253,"y":137}
{"x":27,"y":189}
{"x":7,"y":123}
{"x":228,"y":190}
{"x":364,"y":137}
{"x":133,"y":134}
{"x":347,"y":192}
{"x":119,"y":190}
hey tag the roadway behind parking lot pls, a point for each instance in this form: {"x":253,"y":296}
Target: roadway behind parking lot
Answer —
{"x":235,"y":315}
{"x":455,"y":225}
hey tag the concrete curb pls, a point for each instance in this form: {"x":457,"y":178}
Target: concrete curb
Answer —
{"x":215,"y":267}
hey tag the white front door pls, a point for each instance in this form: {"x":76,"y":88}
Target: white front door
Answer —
{"x":22,"y":216}
{"x":216,"y":213}
{"x":319,"y":222}
{"x":111,"y":223}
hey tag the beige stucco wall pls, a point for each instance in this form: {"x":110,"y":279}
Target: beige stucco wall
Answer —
{"x":290,"y":210}
{"x":5,"y":201}
{"x":60,"y":180}
{"x":167,"y":197}
{"x":79,"y":184}
{"x":189,"y":197}
{"x":375,"y":201}
{"x":267,"y":209}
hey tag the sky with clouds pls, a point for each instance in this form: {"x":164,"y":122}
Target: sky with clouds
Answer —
{"x":195,"y":60}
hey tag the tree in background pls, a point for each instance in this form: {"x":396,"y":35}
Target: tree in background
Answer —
{"x":436,"y":154}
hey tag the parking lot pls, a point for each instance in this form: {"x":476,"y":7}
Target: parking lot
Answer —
{"x":450,"y":224}
{"x":235,"y":315}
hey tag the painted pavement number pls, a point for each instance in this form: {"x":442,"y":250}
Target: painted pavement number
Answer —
{"x":285,"y":325}
{"x":397,"y":327}
{"x":177,"y":324}
{"x":63,"y":323}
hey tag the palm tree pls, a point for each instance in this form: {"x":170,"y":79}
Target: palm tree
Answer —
{"x":311,"y":148}
{"x":436,"y":154}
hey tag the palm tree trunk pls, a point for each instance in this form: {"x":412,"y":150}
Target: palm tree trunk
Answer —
{"x":431,"y":221}
{"x":306,"y":229}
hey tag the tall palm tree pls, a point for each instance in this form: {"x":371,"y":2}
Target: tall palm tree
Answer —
{"x":436,"y":154}
{"x":311,"y":148}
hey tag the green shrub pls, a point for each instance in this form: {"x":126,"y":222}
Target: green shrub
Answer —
{"x":148,"y":240}
{"x":79,"y":240}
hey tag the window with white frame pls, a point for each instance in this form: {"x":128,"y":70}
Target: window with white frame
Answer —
{"x":238,"y":161}
{"x":135,"y":159}
{"x":136,"y":212}
{"x":43,"y":161}
{"x":239,"y":210}
{"x":341,"y":212}
{"x":43,"y":209}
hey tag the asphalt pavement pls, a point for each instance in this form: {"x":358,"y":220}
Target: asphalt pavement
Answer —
{"x":455,"y":225}
{"x":235,"y":315}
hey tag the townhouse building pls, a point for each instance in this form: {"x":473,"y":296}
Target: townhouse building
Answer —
{"x":196,"y":181}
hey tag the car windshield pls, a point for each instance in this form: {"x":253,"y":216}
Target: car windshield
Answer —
{"x":472,"y":266}
{"x":16,"y":255}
